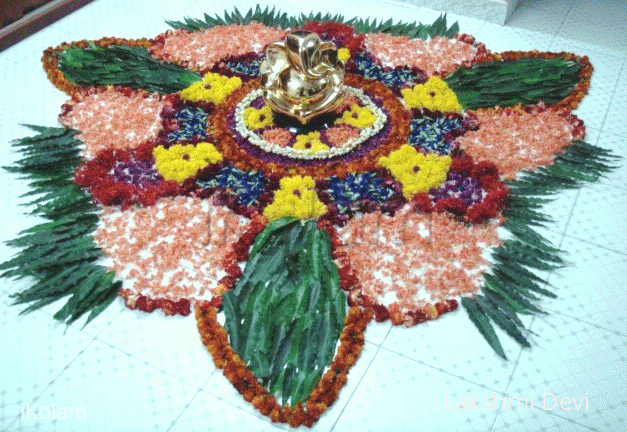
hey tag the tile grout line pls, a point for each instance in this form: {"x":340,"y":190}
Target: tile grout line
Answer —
{"x":441,"y":370}
{"x":607,"y":112}
{"x":184,"y":409}
{"x":379,"y":348}
{"x":581,"y":320}
{"x":65,"y":368}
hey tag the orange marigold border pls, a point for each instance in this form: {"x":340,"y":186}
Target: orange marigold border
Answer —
{"x":51,"y":61}
{"x":215,"y":339}
{"x":398,"y":116}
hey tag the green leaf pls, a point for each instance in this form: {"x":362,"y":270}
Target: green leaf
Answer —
{"x":59,"y":254}
{"x":524,"y":81}
{"x":482,"y":322}
{"x":123,"y":65}
{"x":286,"y":312}
{"x":274,"y":18}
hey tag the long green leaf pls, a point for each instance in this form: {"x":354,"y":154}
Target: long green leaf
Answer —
{"x":286,"y":312}
{"x":59,"y":254}
{"x":525,"y":81}
{"x":123,"y":65}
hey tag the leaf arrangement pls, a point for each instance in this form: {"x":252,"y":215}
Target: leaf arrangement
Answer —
{"x":286,"y":312}
{"x":513,"y":288}
{"x":524,"y":81}
{"x":271,"y":17}
{"x":60,"y":255}
{"x":123,"y":65}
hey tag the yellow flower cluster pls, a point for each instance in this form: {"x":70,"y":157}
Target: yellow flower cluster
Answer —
{"x":310,"y":142}
{"x":213,"y":88}
{"x":297,"y":198}
{"x":258,"y":118}
{"x":359,"y":117}
{"x":415,"y":171}
{"x":181,"y":162}
{"x":343,"y":54}
{"x":434,"y":95}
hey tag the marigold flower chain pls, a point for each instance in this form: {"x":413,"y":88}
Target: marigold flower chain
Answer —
{"x":369,"y":118}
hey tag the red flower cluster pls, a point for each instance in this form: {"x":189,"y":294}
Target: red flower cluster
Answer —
{"x":488,"y":176}
{"x":148,"y":304}
{"x":95,"y":174}
{"x":340,"y":34}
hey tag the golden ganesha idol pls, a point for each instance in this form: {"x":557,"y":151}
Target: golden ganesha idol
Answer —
{"x":302,"y":76}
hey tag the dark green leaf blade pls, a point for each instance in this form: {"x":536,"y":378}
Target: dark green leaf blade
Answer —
{"x":286,"y":312}
{"x":123,"y":65}
{"x":525,"y":81}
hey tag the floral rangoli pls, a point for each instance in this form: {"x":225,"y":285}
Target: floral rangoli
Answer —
{"x":174,"y":185}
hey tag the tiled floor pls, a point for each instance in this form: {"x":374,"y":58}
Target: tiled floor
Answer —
{"x":132,"y":371}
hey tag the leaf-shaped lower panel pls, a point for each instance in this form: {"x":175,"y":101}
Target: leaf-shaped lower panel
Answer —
{"x":285,"y":314}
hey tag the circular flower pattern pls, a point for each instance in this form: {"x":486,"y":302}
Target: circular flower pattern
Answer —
{"x":390,"y":204}
{"x":400,"y":151}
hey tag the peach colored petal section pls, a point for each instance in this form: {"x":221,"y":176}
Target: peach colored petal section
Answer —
{"x":411,"y":261}
{"x":201,"y":49}
{"x":518,"y":139}
{"x":113,"y":120}
{"x":438,"y":56}
{"x":172,"y":250}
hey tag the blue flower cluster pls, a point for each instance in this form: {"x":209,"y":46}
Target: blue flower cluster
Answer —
{"x":246,"y":185}
{"x":248,"y":67}
{"x":192,"y":123}
{"x":356,"y":187}
{"x":428,"y":133}
{"x":369,"y":69}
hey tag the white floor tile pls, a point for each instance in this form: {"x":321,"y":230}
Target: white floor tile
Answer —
{"x":599,"y":217}
{"x":429,"y":400}
{"x":592,"y":287}
{"x":453,"y":344}
{"x":35,"y":351}
{"x":575,"y":360}
{"x":528,"y":16}
{"x":116,"y":392}
{"x":170,"y":344}
{"x":206,"y":412}
{"x":615,"y":120}
{"x":498,"y":38}
{"x":601,"y":23}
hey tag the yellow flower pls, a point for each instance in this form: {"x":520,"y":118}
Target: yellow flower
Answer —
{"x":258,"y":118}
{"x":213,"y":88}
{"x":343,"y":54}
{"x":434,"y":95}
{"x":310,"y":142}
{"x":359,"y":117}
{"x":415,"y":171}
{"x":296,"y":197}
{"x":181,"y":162}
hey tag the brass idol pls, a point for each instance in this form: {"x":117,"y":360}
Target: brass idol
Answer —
{"x":302,"y":76}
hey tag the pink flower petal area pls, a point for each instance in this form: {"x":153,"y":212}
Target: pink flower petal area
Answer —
{"x":172,"y":250}
{"x":112,"y":119}
{"x":437,"y":56}
{"x":518,"y":138}
{"x":411,"y":261}
{"x":202,"y":49}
